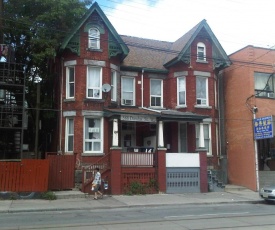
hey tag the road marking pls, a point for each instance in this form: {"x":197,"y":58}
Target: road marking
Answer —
{"x":218,"y":214}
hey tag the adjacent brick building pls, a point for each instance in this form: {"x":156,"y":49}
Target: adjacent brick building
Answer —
{"x":249,"y":89}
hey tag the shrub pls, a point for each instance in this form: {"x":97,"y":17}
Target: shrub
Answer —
{"x":49,"y":195}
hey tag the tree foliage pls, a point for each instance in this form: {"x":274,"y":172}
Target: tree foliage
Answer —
{"x":35,"y":29}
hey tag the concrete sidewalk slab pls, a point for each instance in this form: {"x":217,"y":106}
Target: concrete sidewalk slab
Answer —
{"x":87,"y":202}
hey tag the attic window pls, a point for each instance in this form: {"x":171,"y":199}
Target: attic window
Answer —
{"x":94,"y":38}
{"x":201,"y":52}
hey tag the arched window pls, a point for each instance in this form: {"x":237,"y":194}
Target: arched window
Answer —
{"x":201,"y":52}
{"x":94,"y":38}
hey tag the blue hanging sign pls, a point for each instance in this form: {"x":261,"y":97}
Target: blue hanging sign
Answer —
{"x":263,"y":127}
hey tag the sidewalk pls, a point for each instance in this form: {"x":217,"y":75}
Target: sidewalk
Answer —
{"x":86,"y":202}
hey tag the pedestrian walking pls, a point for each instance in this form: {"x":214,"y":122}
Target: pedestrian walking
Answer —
{"x":96,"y":184}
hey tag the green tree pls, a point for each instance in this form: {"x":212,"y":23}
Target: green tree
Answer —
{"x":35,"y":29}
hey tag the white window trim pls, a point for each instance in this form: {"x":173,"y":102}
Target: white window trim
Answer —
{"x":96,"y":38}
{"x":134,"y":91}
{"x":201,"y":45}
{"x":97,"y":88}
{"x":67,"y":134}
{"x":178,"y":92}
{"x":93,"y":153}
{"x":113,"y":85}
{"x":161,"y":93}
{"x":209,"y":152}
{"x":68,"y":82}
{"x":207,"y":97}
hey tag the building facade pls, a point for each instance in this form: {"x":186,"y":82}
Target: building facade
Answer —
{"x":249,"y":103}
{"x":136,"y":94}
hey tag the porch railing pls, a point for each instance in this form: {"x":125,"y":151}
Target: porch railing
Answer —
{"x":137,"y":159}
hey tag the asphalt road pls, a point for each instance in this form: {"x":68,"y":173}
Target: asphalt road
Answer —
{"x":191,"y":217}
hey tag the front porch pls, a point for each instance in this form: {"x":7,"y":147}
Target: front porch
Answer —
{"x":123,"y":169}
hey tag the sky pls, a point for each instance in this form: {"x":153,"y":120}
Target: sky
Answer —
{"x":235,"y":23}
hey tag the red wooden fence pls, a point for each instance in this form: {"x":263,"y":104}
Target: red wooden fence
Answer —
{"x":62,"y":172}
{"x":27,"y":175}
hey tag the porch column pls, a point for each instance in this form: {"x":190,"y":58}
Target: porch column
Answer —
{"x":160,"y":134}
{"x":115,"y":133}
{"x":201,"y":137}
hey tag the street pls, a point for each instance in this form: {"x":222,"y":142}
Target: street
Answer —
{"x":218,"y":216}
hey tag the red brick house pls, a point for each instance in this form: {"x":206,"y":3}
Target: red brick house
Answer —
{"x":249,"y":92}
{"x":128,"y":94}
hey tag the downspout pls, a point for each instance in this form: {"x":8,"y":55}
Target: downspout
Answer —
{"x":142,"y":88}
{"x":61,"y":104}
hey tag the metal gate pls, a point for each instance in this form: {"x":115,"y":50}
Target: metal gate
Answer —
{"x":182,"y":180}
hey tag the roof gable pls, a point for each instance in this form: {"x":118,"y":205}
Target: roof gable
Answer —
{"x":74,"y":35}
{"x":182,"y":46}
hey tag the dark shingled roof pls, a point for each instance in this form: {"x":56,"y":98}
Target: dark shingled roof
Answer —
{"x":146,"y":53}
{"x":149,"y":53}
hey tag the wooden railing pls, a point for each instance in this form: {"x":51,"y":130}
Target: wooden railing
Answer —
{"x":88,"y":171}
{"x":137,"y":159}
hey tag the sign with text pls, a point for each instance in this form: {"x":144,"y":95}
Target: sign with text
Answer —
{"x":138,"y":118}
{"x":263,"y":127}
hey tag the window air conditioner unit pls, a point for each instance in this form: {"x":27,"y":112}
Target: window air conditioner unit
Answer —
{"x":127,"y":102}
{"x":93,"y":130}
{"x":271,"y":95}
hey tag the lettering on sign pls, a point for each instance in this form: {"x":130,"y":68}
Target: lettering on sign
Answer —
{"x":139,"y":118}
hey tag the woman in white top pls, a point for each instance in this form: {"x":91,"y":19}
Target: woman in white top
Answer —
{"x":97,"y":183}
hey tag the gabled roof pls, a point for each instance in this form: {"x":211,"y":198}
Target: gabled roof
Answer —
{"x":95,"y":8}
{"x":154,"y":54}
{"x":182,"y":45}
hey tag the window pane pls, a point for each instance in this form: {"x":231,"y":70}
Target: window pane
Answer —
{"x":113,"y":86}
{"x":155,"y":87}
{"x":201,"y":87}
{"x":127,"y":91}
{"x":181,"y":91}
{"x":94,"y":82}
{"x":93,"y":135}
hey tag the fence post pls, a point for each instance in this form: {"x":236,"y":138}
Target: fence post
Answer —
{"x":115,"y":183}
{"x":161,"y":169}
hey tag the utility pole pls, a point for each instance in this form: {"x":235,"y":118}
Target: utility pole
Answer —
{"x":37,"y":121}
{"x":255,"y":110}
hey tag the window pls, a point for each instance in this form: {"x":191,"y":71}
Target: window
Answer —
{"x":93,"y":135}
{"x":183,"y":137}
{"x":181,"y":91}
{"x":94,"y":38}
{"x":69,"y":139}
{"x":207,"y":135}
{"x":70,"y":82}
{"x":201,"y":91}
{"x":113,"y":85}
{"x":201,"y":52}
{"x":94,"y":82}
{"x":156,"y":92}
{"x":264,"y":85}
{"x":127,"y":91}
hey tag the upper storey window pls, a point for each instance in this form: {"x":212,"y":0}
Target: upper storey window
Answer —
{"x":94,"y":38}
{"x":127,"y":91}
{"x":264,"y":85}
{"x":70,"y":82}
{"x":156,"y":92}
{"x":201,"y":52}
{"x":181,"y":91}
{"x":94,"y":82}
{"x":201,"y":91}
